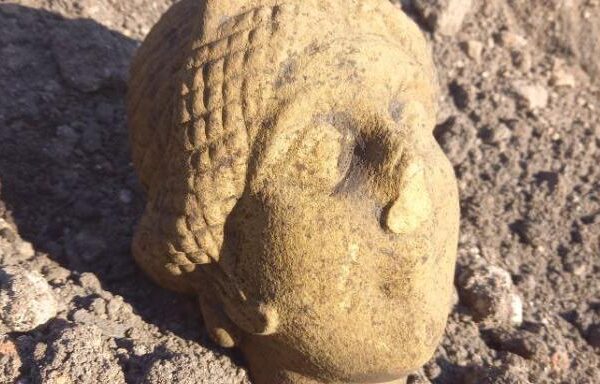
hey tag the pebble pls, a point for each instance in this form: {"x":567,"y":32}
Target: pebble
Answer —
{"x":26,"y":299}
{"x":535,"y":96}
{"x":25,"y":249}
{"x":10,"y":361}
{"x":512,"y":40}
{"x":516,"y":310}
{"x":90,"y":281}
{"x":560,"y":360}
{"x":443,"y":16}
{"x":488,"y":291}
{"x":473,"y":49}
{"x":561,"y":77}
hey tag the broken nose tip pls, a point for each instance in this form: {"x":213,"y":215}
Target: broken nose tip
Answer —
{"x":413,"y":205}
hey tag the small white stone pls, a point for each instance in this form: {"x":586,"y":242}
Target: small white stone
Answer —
{"x":512,"y":40}
{"x":563,"y":78}
{"x":516,"y":310}
{"x":473,"y":49}
{"x":534,"y":95}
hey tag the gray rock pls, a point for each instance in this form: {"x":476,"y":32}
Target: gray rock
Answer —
{"x":26,"y":299}
{"x":80,"y":355}
{"x":90,"y":58}
{"x":193,"y":369}
{"x":488,"y":291}
{"x":10,"y":362}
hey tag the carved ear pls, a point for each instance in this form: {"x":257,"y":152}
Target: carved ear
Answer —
{"x":220,"y":328}
{"x":253,"y":318}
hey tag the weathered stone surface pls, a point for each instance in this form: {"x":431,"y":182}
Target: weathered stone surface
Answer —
{"x":294,"y":183}
{"x":79,"y":355}
{"x":26,"y":299}
{"x":189,"y":369}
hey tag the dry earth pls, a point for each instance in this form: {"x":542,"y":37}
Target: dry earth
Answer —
{"x":520,"y":120}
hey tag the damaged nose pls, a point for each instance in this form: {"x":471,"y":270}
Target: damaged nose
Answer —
{"x":413,"y":205}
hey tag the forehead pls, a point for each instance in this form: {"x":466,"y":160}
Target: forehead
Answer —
{"x":365,"y":69}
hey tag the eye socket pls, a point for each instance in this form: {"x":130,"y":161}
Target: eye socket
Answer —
{"x":373,"y":156}
{"x":339,"y":153}
{"x":370,"y":151}
{"x":315,"y":160}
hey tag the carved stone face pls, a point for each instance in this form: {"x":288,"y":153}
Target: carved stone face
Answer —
{"x":348,"y":226}
{"x":294,"y":183}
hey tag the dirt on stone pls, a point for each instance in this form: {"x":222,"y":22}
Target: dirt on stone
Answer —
{"x":519,"y":119}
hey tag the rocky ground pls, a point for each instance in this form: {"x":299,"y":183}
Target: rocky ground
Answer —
{"x":520,"y":120}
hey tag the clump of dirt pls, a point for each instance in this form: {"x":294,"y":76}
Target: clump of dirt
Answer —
{"x":520,"y":120}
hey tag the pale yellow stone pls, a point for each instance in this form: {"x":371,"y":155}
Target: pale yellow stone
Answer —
{"x":294,"y":183}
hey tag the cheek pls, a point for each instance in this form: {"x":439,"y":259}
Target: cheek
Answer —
{"x":317,"y":254}
{"x":446,"y":219}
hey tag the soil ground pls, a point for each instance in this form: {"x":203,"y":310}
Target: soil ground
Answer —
{"x":520,"y":120}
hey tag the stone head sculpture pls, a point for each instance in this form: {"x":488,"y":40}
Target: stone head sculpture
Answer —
{"x":294,"y":184}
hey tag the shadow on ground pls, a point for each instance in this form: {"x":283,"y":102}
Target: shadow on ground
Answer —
{"x":64,"y":157}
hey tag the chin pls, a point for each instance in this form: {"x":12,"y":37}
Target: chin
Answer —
{"x":381,"y":377}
